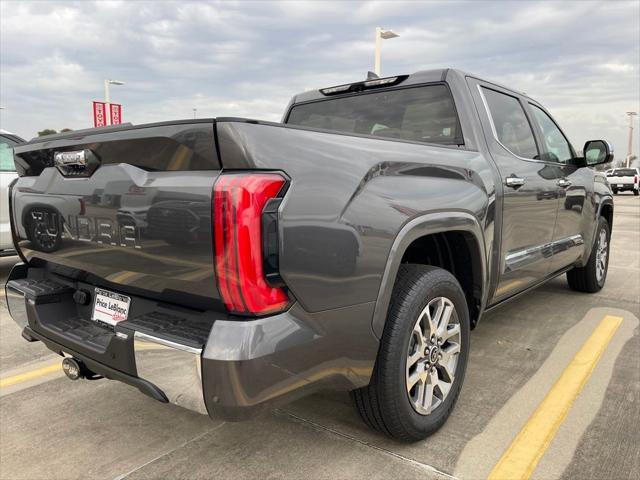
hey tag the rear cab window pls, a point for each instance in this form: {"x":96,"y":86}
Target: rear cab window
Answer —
{"x":623,"y":172}
{"x":422,"y":114}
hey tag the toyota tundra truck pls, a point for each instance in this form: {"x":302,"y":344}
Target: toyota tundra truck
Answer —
{"x":351,"y":247}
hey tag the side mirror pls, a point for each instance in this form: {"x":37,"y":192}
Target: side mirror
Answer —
{"x":597,"y":152}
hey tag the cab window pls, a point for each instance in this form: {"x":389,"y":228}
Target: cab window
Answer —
{"x":510,"y":124}
{"x":556,"y":145}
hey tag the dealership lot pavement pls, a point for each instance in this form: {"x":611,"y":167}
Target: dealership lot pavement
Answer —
{"x":51,"y":427}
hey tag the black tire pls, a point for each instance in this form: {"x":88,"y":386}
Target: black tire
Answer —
{"x":636,"y":193}
{"x":384,"y":404}
{"x":615,"y":191}
{"x":585,"y":279}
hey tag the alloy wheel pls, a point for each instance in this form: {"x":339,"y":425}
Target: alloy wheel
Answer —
{"x":602,"y":251}
{"x":432,"y":355}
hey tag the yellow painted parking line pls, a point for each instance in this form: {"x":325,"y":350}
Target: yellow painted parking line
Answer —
{"x":199,"y":274}
{"x":30,"y":375}
{"x":6,"y":382}
{"x":521,"y":458}
{"x":126,"y":277}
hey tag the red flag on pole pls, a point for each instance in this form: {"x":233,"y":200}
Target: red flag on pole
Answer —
{"x":116,"y":113}
{"x":99,"y":114}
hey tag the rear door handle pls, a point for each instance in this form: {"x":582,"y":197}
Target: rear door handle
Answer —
{"x":564,"y":183}
{"x":513,"y":181}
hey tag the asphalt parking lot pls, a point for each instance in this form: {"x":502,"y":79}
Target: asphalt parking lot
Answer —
{"x":51,"y":427}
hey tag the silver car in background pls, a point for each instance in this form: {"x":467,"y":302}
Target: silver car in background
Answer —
{"x":7,"y":175}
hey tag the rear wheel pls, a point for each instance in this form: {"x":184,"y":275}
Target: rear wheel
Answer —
{"x":422,"y":358}
{"x":636,"y":193}
{"x":591,"y":277}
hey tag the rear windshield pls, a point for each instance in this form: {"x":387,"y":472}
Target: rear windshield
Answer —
{"x":623,"y":172}
{"x":422,"y":114}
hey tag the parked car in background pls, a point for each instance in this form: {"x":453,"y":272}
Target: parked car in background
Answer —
{"x":624,"y":179}
{"x":7,"y":175}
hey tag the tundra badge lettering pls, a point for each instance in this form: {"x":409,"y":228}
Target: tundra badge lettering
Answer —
{"x":78,"y":163}
{"x":63,"y":159}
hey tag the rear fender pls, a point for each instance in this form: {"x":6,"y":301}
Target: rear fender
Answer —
{"x":437,"y":222}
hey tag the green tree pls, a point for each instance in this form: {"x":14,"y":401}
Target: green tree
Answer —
{"x":46,"y":131}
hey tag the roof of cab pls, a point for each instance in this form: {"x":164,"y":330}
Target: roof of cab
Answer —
{"x":422,"y":76}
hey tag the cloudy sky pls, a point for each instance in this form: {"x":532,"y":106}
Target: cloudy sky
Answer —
{"x":580,"y":59}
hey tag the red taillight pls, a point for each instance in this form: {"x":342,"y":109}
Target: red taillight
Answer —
{"x":635,"y":179}
{"x":238,"y":201}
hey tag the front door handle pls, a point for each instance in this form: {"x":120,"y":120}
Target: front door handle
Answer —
{"x":564,"y":183}
{"x":513,"y":181}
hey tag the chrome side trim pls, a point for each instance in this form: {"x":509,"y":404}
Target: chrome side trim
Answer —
{"x":566,"y":243}
{"x":174,"y":368}
{"x":520,"y":258}
{"x":17,"y":305}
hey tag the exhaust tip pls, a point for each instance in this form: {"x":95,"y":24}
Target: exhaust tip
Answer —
{"x":72,"y":368}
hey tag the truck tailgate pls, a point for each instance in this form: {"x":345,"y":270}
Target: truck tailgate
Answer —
{"x":133,"y":212}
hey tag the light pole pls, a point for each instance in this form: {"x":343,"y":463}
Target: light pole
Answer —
{"x":381,"y":34}
{"x":108,"y":82}
{"x":630,"y":145}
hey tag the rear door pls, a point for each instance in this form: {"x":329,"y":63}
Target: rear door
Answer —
{"x":530,"y":197}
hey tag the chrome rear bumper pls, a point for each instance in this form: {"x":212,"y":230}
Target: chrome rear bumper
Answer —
{"x":172,"y":368}
{"x":231,"y":370}
{"x":16,"y":303}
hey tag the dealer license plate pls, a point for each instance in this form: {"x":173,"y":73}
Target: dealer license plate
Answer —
{"x":110,"y":307}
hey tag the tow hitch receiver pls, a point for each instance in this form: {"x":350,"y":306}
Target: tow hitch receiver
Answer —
{"x":72,"y":368}
{"x":76,"y":369}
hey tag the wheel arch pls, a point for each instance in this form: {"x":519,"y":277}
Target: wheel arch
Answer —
{"x":443,"y":222}
{"x":605,"y":210}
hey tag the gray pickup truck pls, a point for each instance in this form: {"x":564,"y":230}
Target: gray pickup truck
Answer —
{"x":227,"y":264}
